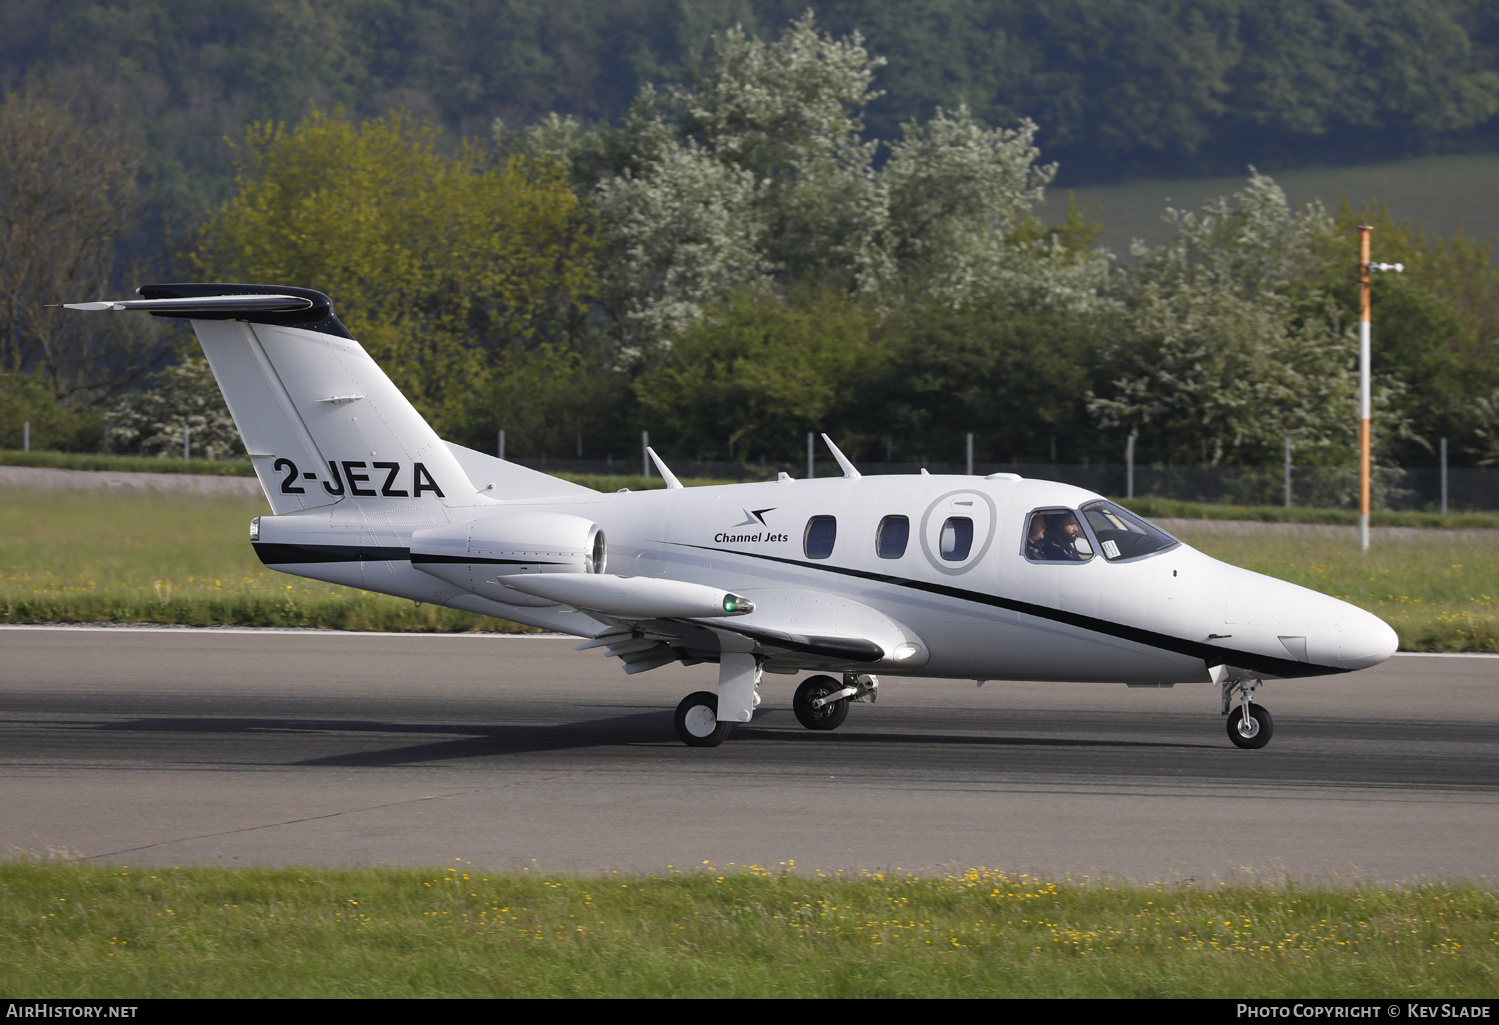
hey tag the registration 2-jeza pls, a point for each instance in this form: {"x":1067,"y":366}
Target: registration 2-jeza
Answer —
{"x":353,"y":472}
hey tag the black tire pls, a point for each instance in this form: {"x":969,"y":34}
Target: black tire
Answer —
{"x":1260,"y":729}
{"x":829,"y":716}
{"x":696,"y":728}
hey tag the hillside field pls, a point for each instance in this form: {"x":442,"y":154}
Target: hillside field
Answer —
{"x":1438,"y":195}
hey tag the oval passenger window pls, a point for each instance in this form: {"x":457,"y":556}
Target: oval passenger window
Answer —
{"x":822,"y":531}
{"x":894,"y":533}
{"x":957,"y":538}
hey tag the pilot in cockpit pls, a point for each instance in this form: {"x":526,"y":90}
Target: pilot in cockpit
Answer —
{"x":1035,"y":537}
{"x":1052,"y":537}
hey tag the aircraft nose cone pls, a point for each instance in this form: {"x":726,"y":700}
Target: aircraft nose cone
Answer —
{"x":1365,"y":640}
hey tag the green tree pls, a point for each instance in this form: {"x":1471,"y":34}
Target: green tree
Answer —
{"x":67,"y":196}
{"x":755,"y":374}
{"x":1015,"y":375}
{"x":1435,"y":325}
{"x":26,"y":399}
{"x":1229,"y":347}
{"x":451,"y":270}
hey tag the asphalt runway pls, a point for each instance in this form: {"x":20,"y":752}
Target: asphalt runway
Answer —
{"x":260,"y":747}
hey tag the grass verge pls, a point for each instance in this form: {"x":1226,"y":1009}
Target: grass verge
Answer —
{"x":459,"y":932}
{"x":1160,"y":508}
{"x":95,"y":557}
{"x":126,"y":464}
{"x":1145,"y":506}
{"x":92,"y":557}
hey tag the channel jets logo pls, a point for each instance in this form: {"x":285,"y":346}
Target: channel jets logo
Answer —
{"x":752,"y":518}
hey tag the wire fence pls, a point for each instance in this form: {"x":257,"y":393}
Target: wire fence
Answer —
{"x":1417,"y":488}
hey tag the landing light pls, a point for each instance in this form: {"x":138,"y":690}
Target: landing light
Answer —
{"x":904,"y":651}
{"x":733,"y":603}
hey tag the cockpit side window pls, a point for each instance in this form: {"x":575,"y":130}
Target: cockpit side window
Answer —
{"x":1123,"y":535}
{"x":1054,"y":535}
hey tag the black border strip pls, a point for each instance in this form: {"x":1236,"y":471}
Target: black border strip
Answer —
{"x":1211,"y":654}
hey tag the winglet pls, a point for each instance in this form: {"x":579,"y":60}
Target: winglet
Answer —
{"x":848,"y":467}
{"x":666,"y":474}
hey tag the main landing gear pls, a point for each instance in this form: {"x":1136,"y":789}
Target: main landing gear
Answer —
{"x":821,"y":702}
{"x":697,"y":721}
{"x":704,"y":719}
{"x":1249,"y":725}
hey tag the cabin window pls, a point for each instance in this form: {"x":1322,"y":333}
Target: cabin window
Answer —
{"x":957,"y":538}
{"x":1054,"y":535}
{"x":822,"y":531}
{"x":891,"y":539}
{"x":1123,"y":535}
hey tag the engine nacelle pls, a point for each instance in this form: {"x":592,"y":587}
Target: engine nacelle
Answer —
{"x":475,"y":554}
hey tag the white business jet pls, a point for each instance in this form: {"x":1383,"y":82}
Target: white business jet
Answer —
{"x":852,"y":578}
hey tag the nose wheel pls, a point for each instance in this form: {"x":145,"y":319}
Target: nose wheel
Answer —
{"x":1250,"y":726}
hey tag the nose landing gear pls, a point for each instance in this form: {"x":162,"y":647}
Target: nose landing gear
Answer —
{"x":1249,"y":725}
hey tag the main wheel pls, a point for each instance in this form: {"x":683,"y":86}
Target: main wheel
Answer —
{"x":1253,"y":731}
{"x":697,"y":721}
{"x":831,"y":715}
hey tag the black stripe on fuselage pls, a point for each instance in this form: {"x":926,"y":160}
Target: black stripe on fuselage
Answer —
{"x":417,"y":558}
{"x":1211,"y":654}
{"x":277,"y":554}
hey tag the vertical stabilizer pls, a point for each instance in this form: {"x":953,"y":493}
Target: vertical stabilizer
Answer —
{"x":321,"y":421}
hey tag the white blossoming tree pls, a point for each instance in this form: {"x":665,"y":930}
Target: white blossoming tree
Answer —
{"x":757,"y":173}
{"x":1227,"y":350}
{"x":186,"y":399}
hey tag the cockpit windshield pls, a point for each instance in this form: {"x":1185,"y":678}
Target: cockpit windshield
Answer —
{"x":1123,"y":535}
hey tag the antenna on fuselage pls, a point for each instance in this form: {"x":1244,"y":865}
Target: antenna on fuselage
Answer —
{"x":666,"y":474}
{"x":848,"y":467}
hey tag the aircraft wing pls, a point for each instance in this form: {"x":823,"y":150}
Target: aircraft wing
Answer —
{"x":794,"y":626}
